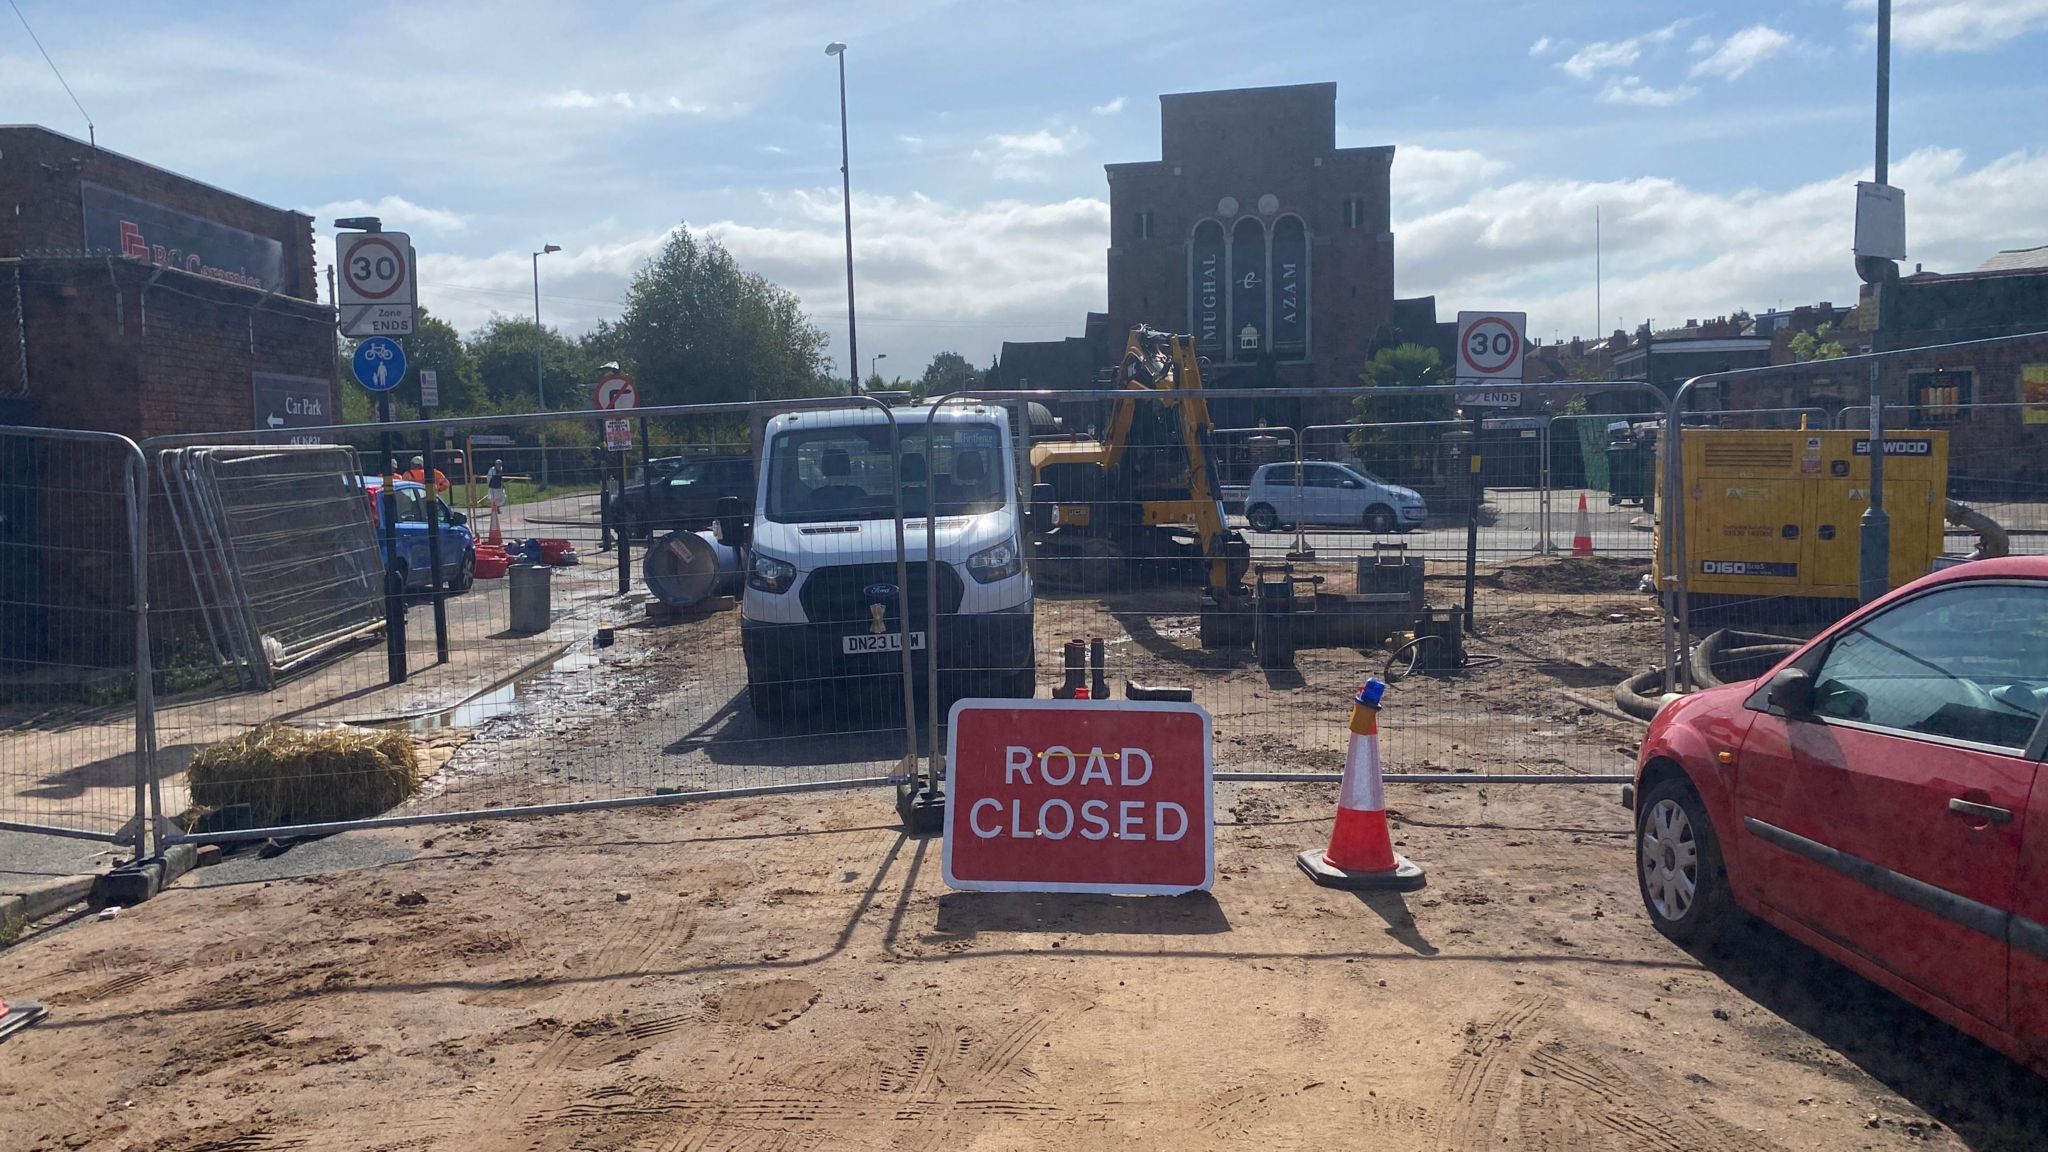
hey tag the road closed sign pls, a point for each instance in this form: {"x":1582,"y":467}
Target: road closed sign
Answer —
{"x":1079,"y":796}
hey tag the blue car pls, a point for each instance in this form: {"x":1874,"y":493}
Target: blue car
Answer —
{"x":413,"y":506}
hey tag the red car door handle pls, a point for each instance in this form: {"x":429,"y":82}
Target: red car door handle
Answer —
{"x":1988,"y":813}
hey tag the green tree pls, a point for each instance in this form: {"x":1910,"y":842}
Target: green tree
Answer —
{"x":502,"y":355}
{"x":948,"y":372}
{"x":1817,"y":344}
{"x":699,"y":329}
{"x":1400,"y":451}
{"x":436,"y":346}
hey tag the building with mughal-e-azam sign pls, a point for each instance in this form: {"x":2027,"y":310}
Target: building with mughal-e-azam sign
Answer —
{"x":1257,"y":234}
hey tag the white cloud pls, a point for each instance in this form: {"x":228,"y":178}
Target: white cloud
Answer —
{"x":578,"y":100}
{"x":1673,"y":251}
{"x":932,"y":276}
{"x":1615,"y":55}
{"x":1743,"y":51}
{"x":1110,"y":109}
{"x":914,"y":143}
{"x":1956,"y":25}
{"x":1700,"y":45}
{"x":1542,"y":45}
{"x":1022,"y":156}
{"x":1632,"y":90}
{"x":396,"y":212}
{"x":1424,"y":175}
{"x":1602,"y":55}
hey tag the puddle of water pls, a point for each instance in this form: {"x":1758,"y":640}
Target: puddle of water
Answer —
{"x":503,"y":700}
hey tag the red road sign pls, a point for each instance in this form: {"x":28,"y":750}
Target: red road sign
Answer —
{"x":374,"y":267}
{"x":1079,"y":796}
{"x":615,"y":392}
{"x":1490,"y":345}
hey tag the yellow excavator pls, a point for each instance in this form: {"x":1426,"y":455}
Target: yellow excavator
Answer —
{"x":1141,"y":502}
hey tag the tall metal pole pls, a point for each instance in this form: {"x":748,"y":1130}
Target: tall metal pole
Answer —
{"x":1873,"y":571}
{"x":540,"y":384}
{"x":846,"y":195}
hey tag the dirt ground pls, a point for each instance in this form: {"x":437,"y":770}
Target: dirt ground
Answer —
{"x":792,"y":974}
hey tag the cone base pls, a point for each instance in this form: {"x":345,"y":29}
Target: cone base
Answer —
{"x":20,"y":1014}
{"x":1406,"y":875}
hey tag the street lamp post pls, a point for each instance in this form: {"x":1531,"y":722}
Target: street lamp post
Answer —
{"x":846,"y":196}
{"x":877,"y":358}
{"x":1874,"y":531}
{"x":540,"y":382}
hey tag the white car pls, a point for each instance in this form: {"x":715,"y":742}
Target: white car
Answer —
{"x":1326,"y":493}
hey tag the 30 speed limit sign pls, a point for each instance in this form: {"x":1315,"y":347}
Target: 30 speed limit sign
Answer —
{"x":375,"y":287}
{"x":1490,"y":345}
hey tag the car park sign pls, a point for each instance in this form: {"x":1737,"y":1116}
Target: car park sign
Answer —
{"x":1079,"y":796}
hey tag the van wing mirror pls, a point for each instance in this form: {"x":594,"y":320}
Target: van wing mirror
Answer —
{"x":1791,"y":692}
{"x":1042,"y":500}
{"x":734,"y":528}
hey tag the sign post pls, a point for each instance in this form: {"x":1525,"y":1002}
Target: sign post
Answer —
{"x":378,"y":293}
{"x":1079,"y":796}
{"x":1490,"y":349}
{"x":615,"y":392}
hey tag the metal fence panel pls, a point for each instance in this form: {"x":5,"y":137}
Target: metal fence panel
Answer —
{"x":1531,"y":700}
{"x":564,"y":683}
{"x":75,"y":682}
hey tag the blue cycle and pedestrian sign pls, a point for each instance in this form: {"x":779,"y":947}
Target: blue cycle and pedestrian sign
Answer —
{"x":379,"y":363}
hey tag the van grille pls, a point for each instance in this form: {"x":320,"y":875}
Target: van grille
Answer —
{"x":835,"y":594}
{"x":1751,"y":457}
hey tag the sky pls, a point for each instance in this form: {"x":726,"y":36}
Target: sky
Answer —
{"x":1719,"y":146}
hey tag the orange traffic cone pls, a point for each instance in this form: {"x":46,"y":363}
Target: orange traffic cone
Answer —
{"x":1361,"y":853}
{"x":14,"y":1017}
{"x":494,"y":537}
{"x":1582,"y":530}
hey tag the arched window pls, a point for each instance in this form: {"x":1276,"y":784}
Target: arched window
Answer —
{"x":1206,"y":273}
{"x":1248,"y":320}
{"x":1290,"y":289}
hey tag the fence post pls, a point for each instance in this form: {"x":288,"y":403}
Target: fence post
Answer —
{"x":433,"y":512}
{"x":1476,"y":489}
{"x":148,"y":796}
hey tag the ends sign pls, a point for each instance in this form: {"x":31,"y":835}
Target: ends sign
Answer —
{"x":1079,"y":796}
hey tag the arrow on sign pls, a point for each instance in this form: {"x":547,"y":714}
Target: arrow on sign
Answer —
{"x":274,"y":420}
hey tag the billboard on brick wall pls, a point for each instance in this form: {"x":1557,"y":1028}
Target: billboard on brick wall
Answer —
{"x":1290,"y":289}
{"x":117,"y":222}
{"x":1205,"y":289}
{"x":1247,"y":290}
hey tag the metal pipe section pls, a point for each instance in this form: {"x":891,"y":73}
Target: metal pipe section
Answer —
{"x":295,"y":830}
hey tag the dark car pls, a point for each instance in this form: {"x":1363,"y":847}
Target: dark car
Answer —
{"x":681,"y":493}
{"x":1875,"y":796}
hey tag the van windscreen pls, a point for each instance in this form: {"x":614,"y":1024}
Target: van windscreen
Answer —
{"x":844,"y":474}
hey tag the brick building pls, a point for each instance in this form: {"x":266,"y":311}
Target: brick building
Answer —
{"x":137,"y":301}
{"x":1257,"y":234}
{"x":151,"y":303}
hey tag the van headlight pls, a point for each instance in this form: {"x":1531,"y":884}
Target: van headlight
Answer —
{"x":998,"y":563}
{"x":770,"y":575}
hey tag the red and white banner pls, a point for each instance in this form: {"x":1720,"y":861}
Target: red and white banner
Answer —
{"x":1079,"y":796}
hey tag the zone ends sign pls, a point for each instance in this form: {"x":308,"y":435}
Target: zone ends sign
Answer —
{"x":1079,"y":796}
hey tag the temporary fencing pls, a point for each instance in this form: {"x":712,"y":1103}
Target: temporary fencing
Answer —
{"x":75,"y":683}
{"x":1120,"y":568}
{"x":1765,"y":548}
{"x":281,"y":553}
{"x":901,"y":558}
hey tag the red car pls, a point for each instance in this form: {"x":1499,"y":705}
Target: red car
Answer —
{"x":1874,"y":797}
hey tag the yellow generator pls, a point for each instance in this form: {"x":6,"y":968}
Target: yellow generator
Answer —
{"x":1777,"y":512}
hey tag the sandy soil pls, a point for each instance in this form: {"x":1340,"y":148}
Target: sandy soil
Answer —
{"x":789,"y":975}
